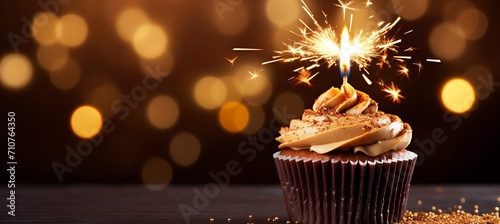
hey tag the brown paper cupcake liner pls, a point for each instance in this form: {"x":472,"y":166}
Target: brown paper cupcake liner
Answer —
{"x":334,"y":191}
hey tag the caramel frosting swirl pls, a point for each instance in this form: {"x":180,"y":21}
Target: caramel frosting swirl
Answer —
{"x":346,"y":119}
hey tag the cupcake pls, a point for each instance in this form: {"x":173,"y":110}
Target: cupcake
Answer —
{"x":345,"y":162}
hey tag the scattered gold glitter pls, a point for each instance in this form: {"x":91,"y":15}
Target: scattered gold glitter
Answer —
{"x":498,"y":199}
{"x":458,"y":217}
{"x":419,"y":202}
{"x":250,"y":217}
{"x":288,"y":222}
{"x":212,"y":220}
{"x":497,"y":209}
{"x":229,"y":219}
{"x":433,"y":208}
{"x":462,"y":200}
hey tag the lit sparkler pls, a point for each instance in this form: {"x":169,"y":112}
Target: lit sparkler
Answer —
{"x":322,"y":45}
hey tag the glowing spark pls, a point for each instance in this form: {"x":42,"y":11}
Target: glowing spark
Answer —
{"x":419,"y":65}
{"x":272,"y":61}
{"x":393,"y":93}
{"x":404,"y":71}
{"x":434,"y":60}
{"x":402,"y":57}
{"x":231,"y":61}
{"x":304,"y":77}
{"x":345,"y":6}
{"x":254,"y":75}
{"x":246,"y":49}
{"x":409,"y":49}
{"x":368,"y":3}
{"x":367,"y":80}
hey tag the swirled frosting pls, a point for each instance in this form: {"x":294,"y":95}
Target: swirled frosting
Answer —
{"x":346,"y":119}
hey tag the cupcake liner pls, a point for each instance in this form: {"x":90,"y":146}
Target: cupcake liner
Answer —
{"x":335,"y":191}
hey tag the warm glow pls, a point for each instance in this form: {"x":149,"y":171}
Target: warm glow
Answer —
{"x":48,"y":55}
{"x":458,"y":95}
{"x":256,"y":120}
{"x":150,"y":41}
{"x":472,"y":24}
{"x":44,"y":28}
{"x":283,"y":12}
{"x":15,"y":71}
{"x":210,"y":92}
{"x":129,"y":21}
{"x":185,"y":149}
{"x":86,"y":121}
{"x":254,"y":85}
{"x":233,"y":23}
{"x":103,"y":96}
{"x":71,"y":30}
{"x":67,"y":74}
{"x":410,"y":9}
{"x":233,"y":116}
{"x":163,"y":112}
{"x":446,"y":43}
{"x":156,"y":173}
{"x":289,"y":103}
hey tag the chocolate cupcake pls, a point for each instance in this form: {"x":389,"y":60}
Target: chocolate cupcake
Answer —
{"x":345,"y":161}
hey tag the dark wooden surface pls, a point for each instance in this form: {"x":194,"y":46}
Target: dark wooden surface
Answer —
{"x":137,"y":204}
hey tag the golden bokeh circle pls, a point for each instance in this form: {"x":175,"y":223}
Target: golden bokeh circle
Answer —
{"x":163,"y":112}
{"x":458,"y":95}
{"x":184,"y":149}
{"x":86,"y":121}
{"x":15,"y":71}
{"x":233,"y":116}
{"x":156,"y":173}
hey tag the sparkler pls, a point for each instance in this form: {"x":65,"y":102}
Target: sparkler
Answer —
{"x":321,"y":45}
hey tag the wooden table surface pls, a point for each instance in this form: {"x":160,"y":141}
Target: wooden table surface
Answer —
{"x":138,"y":204}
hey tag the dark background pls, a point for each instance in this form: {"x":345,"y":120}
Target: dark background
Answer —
{"x":468,"y":155}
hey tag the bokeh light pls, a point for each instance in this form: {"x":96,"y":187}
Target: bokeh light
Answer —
{"x":458,"y":95}
{"x":256,"y":120}
{"x":233,"y":116}
{"x":255,"y":85}
{"x":44,"y":27}
{"x":71,"y":30}
{"x":103,"y":96}
{"x":15,"y":71}
{"x":232,"y":23}
{"x":163,"y":112}
{"x":86,"y":121}
{"x":233,"y":88}
{"x":129,"y":21}
{"x":283,"y":13}
{"x":184,"y":149}
{"x":48,"y":55}
{"x":156,"y":173}
{"x":150,"y":41}
{"x":410,"y":9}
{"x":288,"y":103}
{"x":471,"y":24}
{"x":67,"y":74}
{"x":210,"y":92}
{"x":445,"y":43}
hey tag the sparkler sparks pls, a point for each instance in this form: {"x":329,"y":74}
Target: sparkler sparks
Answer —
{"x":322,"y":45}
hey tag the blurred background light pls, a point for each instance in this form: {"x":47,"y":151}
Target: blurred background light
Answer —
{"x":233,"y":116}
{"x":289,"y":103}
{"x":445,"y":43}
{"x":156,"y":173}
{"x":283,"y":13}
{"x":410,"y":9}
{"x":210,"y":92}
{"x":256,"y":119}
{"x":71,"y":30}
{"x":86,"y":121}
{"x":65,"y":74}
{"x":255,"y":85}
{"x":163,"y":112}
{"x":15,"y":71}
{"x":48,"y":55}
{"x":232,"y":23}
{"x":103,"y":96}
{"x":471,"y":24}
{"x":150,"y":40}
{"x":129,"y":21}
{"x":458,"y":95}
{"x":44,"y":27}
{"x":184,"y":149}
